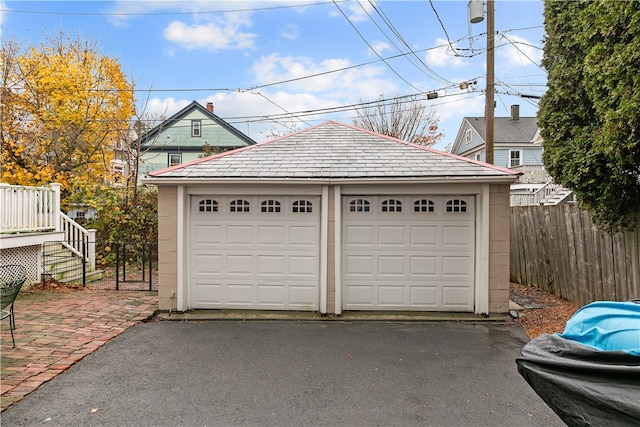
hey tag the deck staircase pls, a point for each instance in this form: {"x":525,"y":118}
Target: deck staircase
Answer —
{"x":62,"y":264}
{"x":549,"y":194}
{"x":73,"y":259}
{"x":560,"y":195}
{"x":34,"y":230}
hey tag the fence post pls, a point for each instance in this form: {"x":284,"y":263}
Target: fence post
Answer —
{"x":55,"y":206}
{"x":84,"y":264}
{"x":92,"y":248}
{"x":150,"y":266}
{"x":117,"y":248}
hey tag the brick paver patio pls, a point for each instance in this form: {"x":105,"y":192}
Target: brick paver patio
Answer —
{"x":55,"y":330}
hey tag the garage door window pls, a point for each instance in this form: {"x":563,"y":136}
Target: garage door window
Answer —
{"x":208,"y":205}
{"x":391,"y":205}
{"x":456,"y":206}
{"x":239,"y":206}
{"x":424,"y":206}
{"x":302,"y":206}
{"x":359,"y":205}
{"x":270,"y":206}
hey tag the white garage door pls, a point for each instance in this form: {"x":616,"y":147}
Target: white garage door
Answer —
{"x":251,"y":252}
{"x":408,"y":253}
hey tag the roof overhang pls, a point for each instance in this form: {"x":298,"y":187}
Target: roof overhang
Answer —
{"x":506,"y":179}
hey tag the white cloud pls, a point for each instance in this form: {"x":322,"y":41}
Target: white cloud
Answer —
{"x":290,"y":32}
{"x":224,"y":33}
{"x":519,"y":51}
{"x":378,"y":47}
{"x":3,"y":6}
{"x":356,"y":11}
{"x":361,"y":82}
{"x":443,"y":56}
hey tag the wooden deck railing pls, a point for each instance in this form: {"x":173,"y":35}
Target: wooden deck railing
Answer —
{"x":29,"y":209}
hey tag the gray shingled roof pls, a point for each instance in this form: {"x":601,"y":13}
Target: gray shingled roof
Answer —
{"x":332,"y":150}
{"x":506,"y":130}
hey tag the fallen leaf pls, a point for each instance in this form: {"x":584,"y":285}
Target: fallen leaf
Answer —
{"x":94,"y":410}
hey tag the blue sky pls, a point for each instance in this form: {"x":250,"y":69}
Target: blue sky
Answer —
{"x":269,"y":66}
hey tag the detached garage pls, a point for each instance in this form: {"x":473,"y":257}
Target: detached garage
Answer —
{"x":334,"y":218}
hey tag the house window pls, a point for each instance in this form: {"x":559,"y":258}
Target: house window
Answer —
{"x":359,"y":205}
{"x":302,"y":206}
{"x":477,"y":157}
{"x":239,"y":206}
{"x":175,"y":159}
{"x":270,"y":206}
{"x":468,"y":137}
{"x":392,"y":206}
{"x":514,"y":158}
{"x":424,"y":205}
{"x":196,"y":128}
{"x":208,"y":205}
{"x":456,"y":206}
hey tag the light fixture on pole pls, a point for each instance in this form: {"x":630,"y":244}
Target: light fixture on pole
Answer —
{"x":476,"y":14}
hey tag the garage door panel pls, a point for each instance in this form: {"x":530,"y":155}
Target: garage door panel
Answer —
{"x":208,"y":264}
{"x":207,"y":235}
{"x":240,"y":235}
{"x":391,"y":235}
{"x":271,"y":295}
{"x":360,"y":265}
{"x":303,"y":236}
{"x":423,"y":235}
{"x":209,"y":293}
{"x":302,"y":297}
{"x":457,"y":296}
{"x":359,"y":235}
{"x":271,"y":235}
{"x":401,"y":253}
{"x":264,"y":254}
{"x":303,"y":266}
{"x":457,"y":266}
{"x":459,"y":235}
{"x":240,"y":294}
{"x":239,"y":265}
{"x":271,"y":265}
{"x":424,"y":296}
{"x":391,"y":265}
{"x":360,"y":295}
{"x":390,"y":295}
{"x":423,"y":265}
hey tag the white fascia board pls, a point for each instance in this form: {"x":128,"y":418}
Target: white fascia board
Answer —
{"x":502,"y":179}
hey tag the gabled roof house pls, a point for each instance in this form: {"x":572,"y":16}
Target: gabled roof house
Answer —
{"x":334,"y":218}
{"x":183,"y":136}
{"x":517,"y":140}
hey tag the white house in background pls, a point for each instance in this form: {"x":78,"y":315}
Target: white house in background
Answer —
{"x":334,"y":218}
{"x":518,"y":145}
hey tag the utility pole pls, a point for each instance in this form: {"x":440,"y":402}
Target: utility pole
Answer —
{"x":490,"y":103}
{"x":476,"y":15}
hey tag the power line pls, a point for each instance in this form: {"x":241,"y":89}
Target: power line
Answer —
{"x":198,"y":12}
{"x":373,"y":50}
{"x":394,"y":30}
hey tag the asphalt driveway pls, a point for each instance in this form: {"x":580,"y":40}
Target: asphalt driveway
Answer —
{"x":287,"y":373}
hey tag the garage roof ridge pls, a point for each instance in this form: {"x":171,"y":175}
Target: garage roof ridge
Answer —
{"x":333,"y":150}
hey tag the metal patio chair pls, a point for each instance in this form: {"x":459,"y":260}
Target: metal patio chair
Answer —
{"x":12,"y":277}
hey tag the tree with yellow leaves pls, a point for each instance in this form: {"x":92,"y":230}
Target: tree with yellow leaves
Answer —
{"x":65,"y":110}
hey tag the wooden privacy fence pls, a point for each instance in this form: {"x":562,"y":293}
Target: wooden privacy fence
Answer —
{"x":558,"y":249}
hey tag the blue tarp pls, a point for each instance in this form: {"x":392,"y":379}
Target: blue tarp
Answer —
{"x":606,"y":326}
{"x":590,"y":374}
